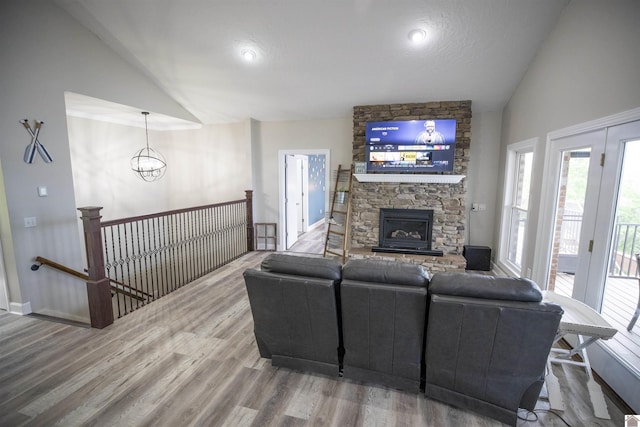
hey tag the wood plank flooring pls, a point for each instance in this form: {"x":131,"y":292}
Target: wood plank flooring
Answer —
{"x":190,"y":359}
{"x":619,"y":304}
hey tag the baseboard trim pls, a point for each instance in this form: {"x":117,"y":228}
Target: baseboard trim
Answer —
{"x":53,"y":314}
{"x":60,"y":320}
{"x":22,"y":309}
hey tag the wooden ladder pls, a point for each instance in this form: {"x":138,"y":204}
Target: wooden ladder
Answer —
{"x":338,"y":222}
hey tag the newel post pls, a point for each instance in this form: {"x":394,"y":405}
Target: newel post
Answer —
{"x":98,"y":290}
{"x":249,"y":196}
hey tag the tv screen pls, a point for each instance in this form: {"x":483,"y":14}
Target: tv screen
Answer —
{"x":410,"y":146}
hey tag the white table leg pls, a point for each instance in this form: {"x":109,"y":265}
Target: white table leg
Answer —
{"x":595,"y":391}
{"x":553,"y":389}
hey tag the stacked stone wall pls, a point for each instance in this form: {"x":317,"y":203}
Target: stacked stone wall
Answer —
{"x":446,"y":200}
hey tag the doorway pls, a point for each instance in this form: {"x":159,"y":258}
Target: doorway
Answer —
{"x":588,"y":212}
{"x":296,"y":195}
{"x":303,"y":195}
{"x":569,"y":211}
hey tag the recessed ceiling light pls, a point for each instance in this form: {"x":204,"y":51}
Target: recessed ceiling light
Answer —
{"x":417,"y":35}
{"x":248,"y":54}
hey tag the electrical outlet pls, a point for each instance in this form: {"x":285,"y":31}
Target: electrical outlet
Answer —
{"x":30,"y":221}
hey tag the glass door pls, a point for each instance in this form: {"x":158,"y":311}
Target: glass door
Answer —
{"x":592,"y":190}
{"x":613,"y":286}
{"x":568,"y":223}
{"x":622,"y":284}
{"x":576,"y":163}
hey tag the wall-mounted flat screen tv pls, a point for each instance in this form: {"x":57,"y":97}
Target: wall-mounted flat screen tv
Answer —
{"x":420,"y":146}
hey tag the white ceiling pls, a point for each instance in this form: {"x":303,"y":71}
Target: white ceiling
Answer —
{"x":317,"y":59}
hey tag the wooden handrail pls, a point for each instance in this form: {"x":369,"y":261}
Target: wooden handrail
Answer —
{"x":172,"y":248}
{"x":124,"y":285}
{"x":83,"y":276}
{"x":167,"y":213}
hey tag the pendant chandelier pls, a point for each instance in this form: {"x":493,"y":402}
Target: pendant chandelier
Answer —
{"x":147,"y":163}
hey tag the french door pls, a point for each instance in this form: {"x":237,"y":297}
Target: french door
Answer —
{"x":591,"y":196}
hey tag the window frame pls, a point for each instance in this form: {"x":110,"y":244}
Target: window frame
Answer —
{"x":512,"y":170}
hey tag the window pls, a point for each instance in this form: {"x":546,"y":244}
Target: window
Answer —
{"x":519,"y":169}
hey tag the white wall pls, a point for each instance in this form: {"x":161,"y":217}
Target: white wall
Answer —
{"x":587,"y":68}
{"x":204,"y":166}
{"x":335,"y":135}
{"x":44,"y":53}
{"x":210,"y":165}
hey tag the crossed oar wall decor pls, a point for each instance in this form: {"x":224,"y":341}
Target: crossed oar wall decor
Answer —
{"x":35,"y":145}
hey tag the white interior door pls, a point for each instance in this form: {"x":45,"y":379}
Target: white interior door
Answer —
{"x":292,"y":194}
{"x":300,"y":195}
{"x":282,"y":188}
{"x":303,"y":181}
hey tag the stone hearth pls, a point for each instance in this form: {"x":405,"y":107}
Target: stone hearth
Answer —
{"x":433,"y":264}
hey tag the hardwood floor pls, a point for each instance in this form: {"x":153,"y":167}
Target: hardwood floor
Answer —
{"x":311,"y":242}
{"x":190,"y":359}
{"x":619,"y":304}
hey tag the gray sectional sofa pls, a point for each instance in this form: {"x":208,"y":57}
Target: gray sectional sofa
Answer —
{"x":383,"y":318}
{"x":295,"y":309}
{"x":488,"y":339}
{"x":474,"y":341}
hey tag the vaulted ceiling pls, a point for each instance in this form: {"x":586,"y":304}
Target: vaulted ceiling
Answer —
{"x":317,"y":59}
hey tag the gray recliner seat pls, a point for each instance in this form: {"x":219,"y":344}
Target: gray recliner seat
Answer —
{"x":488,"y":341}
{"x":383,"y":316}
{"x":295,"y":310}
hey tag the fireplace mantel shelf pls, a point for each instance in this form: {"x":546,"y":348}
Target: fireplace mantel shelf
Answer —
{"x":412,"y":178}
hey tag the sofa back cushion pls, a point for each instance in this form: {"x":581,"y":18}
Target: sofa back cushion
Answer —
{"x":295,"y":265}
{"x":485,"y":287}
{"x":388,"y":272}
{"x":488,"y":339}
{"x":296,"y":311}
{"x":383,"y":315}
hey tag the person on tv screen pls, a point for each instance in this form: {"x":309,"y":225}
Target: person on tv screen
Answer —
{"x":430,"y":135}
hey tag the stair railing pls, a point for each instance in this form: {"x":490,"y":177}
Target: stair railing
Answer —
{"x":159,"y":253}
{"x":121,"y":288}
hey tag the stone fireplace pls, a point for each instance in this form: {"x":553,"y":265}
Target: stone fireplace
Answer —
{"x":406,"y":231}
{"x":445,"y":200}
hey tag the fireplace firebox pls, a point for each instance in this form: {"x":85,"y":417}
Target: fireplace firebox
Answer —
{"x":406,"y":231}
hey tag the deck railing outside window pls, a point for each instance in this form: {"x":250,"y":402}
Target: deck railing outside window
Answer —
{"x":626,"y":244}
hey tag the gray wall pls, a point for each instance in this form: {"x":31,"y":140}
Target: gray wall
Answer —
{"x":586,"y":69}
{"x":44,"y":53}
{"x":202,"y":166}
{"x":482,"y":178}
{"x":270,"y":137}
